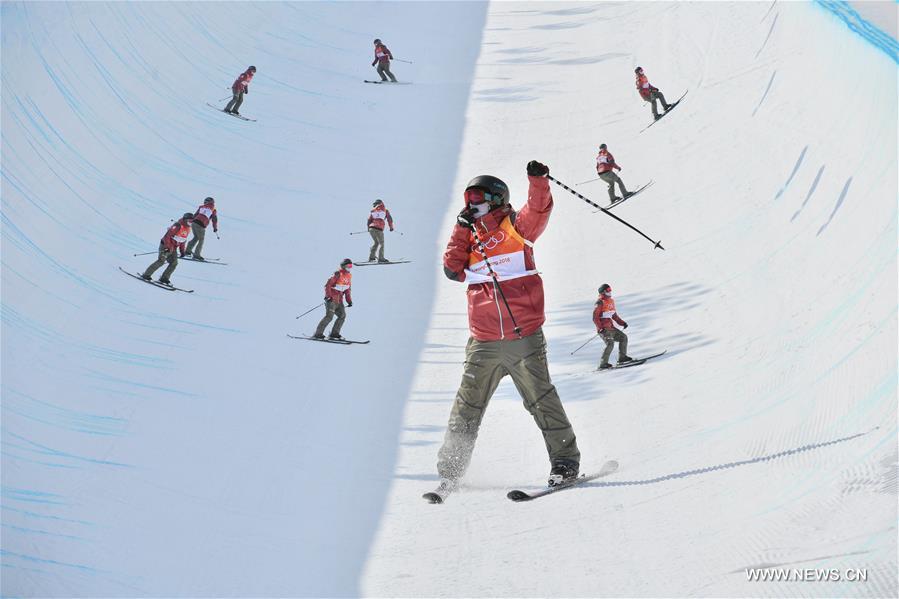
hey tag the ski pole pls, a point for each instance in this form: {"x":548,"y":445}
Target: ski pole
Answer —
{"x":658,"y":244}
{"x":584,"y":345}
{"x":401,"y":60}
{"x":588,"y":181}
{"x":223,"y":99}
{"x":311,"y":309}
{"x":357,"y":232}
{"x":145,"y":254}
{"x":496,"y":284}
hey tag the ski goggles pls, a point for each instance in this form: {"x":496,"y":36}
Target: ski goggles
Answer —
{"x":476,"y":195}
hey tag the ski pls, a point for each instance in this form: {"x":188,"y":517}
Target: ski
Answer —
{"x":376,"y":263}
{"x":626,"y":198}
{"x":608,"y":468}
{"x":390,"y":82}
{"x":155,"y":283}
{"x":326,"y":340}
{"x":670,"y":108}
{"x":634,"y":362}
{"x":217,"y":261}
{"x":237,"y":116}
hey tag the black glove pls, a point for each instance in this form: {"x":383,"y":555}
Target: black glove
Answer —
{"x":624,"y":326}
{"x":466,"y":218}
{"x":328,"y":300}
{"x":537,"y":169}
{"x":246,"y":91}
{"x":349,"y":304}
{"x":373,"y":64}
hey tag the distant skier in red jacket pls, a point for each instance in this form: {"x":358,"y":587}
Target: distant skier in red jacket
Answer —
{"x":382,"y":59}
{"x":240,"y":87}
{"x":378,"y":218}
{"x":489,"y":227}
{"x":171,"y":244}
{"x":337,"y":288}
{"x":605,"y":162}
{"x":603,"y":315}
{"x":650,"y":93}
{"x":205,"y":214}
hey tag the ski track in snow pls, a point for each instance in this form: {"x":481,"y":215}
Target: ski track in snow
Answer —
{"x":161,"y":444}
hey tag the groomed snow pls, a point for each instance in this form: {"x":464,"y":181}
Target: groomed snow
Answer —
{"x":161,"y":444}
{"x":775,"y":198}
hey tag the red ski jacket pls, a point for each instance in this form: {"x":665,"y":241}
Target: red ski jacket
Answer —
{"x":206,"y":213}
{"x":644,"y":87}
{"x":175,"y":237}
{"x":376,"y":219}
{"x":488,"y":319}
{"x":605,"y":313}
{"x":242,"y":83}
{"x":382,"y":55}
{"x":338,"y":286}
{"x":605,"y":162}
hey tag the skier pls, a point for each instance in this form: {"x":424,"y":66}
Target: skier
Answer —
{"x":240,"y":87}
{"x":650,"y":93}
{"x":337,"y":287}
{"x":505,"y":316}
{"x":382,"y":59}
{"x":605,"y":162}
{"x":169,"y":246}
{"x":205,"y":213}
{"x":603,"y":315}
{"x":379,"y":214}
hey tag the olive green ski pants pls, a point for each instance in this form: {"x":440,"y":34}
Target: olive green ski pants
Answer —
{"x":486,"y":363}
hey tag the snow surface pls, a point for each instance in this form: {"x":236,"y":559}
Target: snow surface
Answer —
{"x":161,"y":444}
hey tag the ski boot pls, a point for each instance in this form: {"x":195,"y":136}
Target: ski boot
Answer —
{"x":563,"y":471}
{"x":335,"y":336}
{"x":165,"y":282}
{"x":604,"y":366}
{"x":657,"y":116}
{"x":318,"y":336}
{"x":383,"y":260}
{"x":146,"y":277}
{"x":443,"y":490}
{"x":625,"y":360}
{"x":199,"y":258}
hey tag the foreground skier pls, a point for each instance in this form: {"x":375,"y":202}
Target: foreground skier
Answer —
{"x":505,"y":316}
